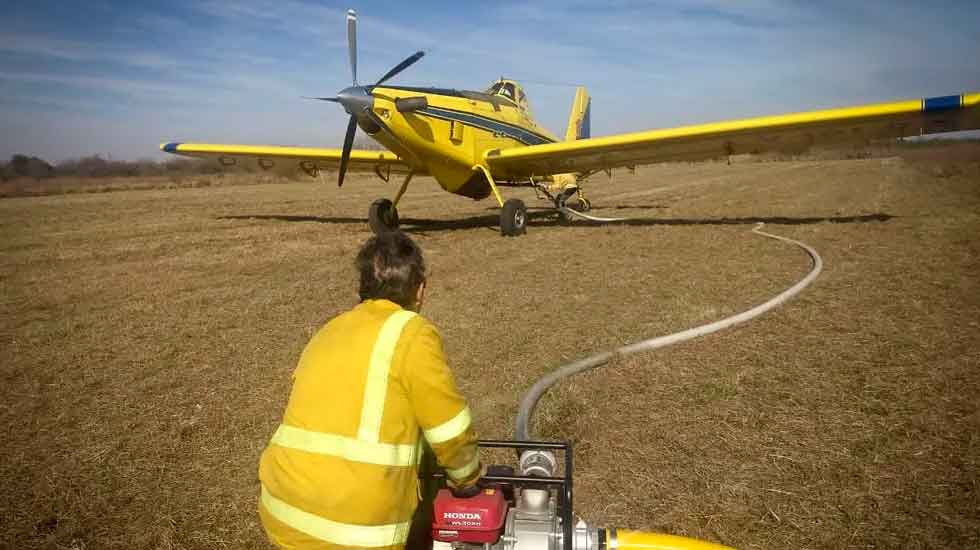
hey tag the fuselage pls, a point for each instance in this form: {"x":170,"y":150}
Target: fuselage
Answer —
{"x":447,"y":133}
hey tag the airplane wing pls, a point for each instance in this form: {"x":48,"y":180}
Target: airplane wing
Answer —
{"x":790,"y":133}
{"x":308,"y":158}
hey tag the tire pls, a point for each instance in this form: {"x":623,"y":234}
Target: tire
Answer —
{"x":382,"y":217}
{"x":513,"y":218}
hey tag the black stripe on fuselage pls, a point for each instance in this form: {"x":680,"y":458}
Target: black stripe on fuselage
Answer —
{"x":424,"y":90}
{"x":512,"y":131}
{"x":451,"y":92}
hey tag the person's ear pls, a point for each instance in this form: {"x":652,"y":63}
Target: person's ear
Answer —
{"x":420,"y":295}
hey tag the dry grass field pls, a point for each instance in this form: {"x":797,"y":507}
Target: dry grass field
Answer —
{"x":148,"y":338}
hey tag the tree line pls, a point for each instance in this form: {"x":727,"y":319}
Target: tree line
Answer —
{"x":96,"y":166}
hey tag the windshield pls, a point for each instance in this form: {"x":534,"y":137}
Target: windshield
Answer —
{"x":505,"y":89}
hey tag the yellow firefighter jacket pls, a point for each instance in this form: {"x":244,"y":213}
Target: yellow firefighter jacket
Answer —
{"x":341,"y":469}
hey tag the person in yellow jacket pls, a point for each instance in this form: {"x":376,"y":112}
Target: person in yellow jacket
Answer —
{"x":341,"y":469}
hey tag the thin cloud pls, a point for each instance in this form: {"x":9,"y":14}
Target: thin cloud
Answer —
{"x":121,"y":86}
{"x":43,"y":45}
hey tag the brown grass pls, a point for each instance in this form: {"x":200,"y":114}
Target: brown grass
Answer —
{"x":148,"y":338}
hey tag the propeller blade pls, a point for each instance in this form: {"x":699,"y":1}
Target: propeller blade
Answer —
{"x":352,"y":43}
{"x":345,"y":154}
{"x":401,"y":67}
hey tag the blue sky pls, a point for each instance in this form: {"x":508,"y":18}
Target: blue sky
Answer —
{"x":114,"y":77}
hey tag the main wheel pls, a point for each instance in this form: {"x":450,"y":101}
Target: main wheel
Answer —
{"x":383,"y":216}
{"x":513,"y":218}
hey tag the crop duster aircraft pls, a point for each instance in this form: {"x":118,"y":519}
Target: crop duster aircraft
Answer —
{"x":473,"y":143}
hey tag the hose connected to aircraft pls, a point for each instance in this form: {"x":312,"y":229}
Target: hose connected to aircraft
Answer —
{"x":531,"y":508}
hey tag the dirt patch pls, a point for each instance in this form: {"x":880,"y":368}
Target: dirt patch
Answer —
{"x":148,"y":339}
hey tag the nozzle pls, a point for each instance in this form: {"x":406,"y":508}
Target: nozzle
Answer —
{"x":622,"y":539}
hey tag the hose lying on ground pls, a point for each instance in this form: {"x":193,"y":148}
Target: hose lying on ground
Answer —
{"x":572,"y":212}
{"x":531,"y":398}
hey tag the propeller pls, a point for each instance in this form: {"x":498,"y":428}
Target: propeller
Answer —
{"x":357,"y":100}
{"x":352,"y":44}
{"x":408,"y":62}
{"x":348,"y":143}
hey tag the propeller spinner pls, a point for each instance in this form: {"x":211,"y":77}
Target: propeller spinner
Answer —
{"x":356,"y":99}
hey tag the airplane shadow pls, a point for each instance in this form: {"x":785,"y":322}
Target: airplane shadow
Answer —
{"x":545,"y":218}
{"x":604,"y":207}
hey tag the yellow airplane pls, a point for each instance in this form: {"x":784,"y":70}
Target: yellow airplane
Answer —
{"x":474,"y":143}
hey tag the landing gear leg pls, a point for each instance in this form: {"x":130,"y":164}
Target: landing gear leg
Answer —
{"x":383,"y":214}
{"x":513,"y":213}
{"x":403,"y":188}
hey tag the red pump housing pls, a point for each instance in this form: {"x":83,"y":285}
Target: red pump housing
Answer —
{"x":477,"y":519}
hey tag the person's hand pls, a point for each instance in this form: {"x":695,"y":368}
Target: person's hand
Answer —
{"x":465,"y":492}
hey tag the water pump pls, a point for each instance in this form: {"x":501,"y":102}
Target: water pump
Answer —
{"x":533,"y":511}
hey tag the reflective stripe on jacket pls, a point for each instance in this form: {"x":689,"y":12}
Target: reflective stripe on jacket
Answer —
{"x":341,"y":469}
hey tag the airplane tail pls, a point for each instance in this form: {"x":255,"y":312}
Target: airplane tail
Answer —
{"x":580,"y":121}
{"x":563,"y":186}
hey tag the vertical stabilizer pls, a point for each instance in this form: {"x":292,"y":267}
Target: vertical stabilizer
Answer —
{"x":579,"y":122}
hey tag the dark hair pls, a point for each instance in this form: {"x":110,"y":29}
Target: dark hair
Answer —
{"x":391,"y":267}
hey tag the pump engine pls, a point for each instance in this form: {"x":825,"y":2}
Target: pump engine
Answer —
{"x":533,"y":511}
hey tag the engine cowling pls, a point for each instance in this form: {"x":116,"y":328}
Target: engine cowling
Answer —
{"x":477,"y":519}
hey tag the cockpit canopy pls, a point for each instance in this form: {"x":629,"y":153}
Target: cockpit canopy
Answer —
{"x":508,"y":89}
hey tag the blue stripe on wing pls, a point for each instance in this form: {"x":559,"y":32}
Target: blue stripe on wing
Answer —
{"x":941,"y":103}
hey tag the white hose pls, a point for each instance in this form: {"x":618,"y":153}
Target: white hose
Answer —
{"x":571,"y":212}
{"x":531,"y":398}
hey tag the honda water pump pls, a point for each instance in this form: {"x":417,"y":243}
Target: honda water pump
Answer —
{"x":533,"y":511}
